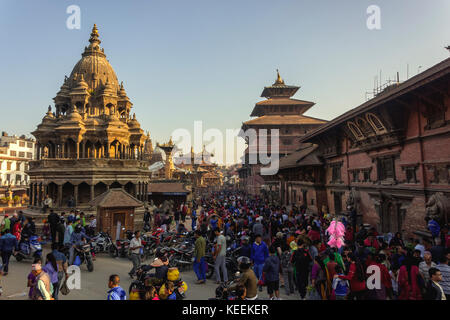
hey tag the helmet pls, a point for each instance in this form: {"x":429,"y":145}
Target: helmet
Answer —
{"x":244,"y":262}
{"x":78,"y":228}
{"x":245,"y":239}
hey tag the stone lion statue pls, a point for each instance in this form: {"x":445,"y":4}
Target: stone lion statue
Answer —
{"x":438,"y":208}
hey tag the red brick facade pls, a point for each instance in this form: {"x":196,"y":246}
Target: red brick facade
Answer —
{"x":392,"y":154}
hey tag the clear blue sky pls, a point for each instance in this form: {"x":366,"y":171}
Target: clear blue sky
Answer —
{"x":209,"y":60}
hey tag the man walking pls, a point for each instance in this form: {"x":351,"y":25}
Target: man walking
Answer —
{"x":8,"y":244}
{"x":135,"y":247}
{"x":259,"y":254}
{"x":53,"y":220}
{"x":220,"y":256}
{"x":199,"y":254}
{"x":302,"y":261}
{"x":271,"y":269}
{"x":115,"y":292}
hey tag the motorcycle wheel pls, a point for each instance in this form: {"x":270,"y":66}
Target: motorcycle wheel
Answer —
{"x":90,"y":264}
{"x":18,"y":257}
{"x":113,"y":252}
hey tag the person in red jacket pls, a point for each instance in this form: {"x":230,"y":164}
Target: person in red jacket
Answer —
{"x":357,"y":278}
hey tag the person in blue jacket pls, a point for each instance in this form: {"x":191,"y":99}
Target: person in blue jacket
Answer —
{"x":8,"y":244}
{"x":259,"y":254}
{"x":272,"y":269}
{"x":116,"y":292}
{"x":77,"y":238}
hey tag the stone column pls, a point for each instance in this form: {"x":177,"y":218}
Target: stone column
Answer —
{"x":39,"y":193}
{"x":33,"y":192}
{"x":92,"y":192}
{"x":75,"y":194}
{"x":59,"y":199}
{"x":135,"y":186}
{"x":83,"y":149}
{"x":63,"y":145}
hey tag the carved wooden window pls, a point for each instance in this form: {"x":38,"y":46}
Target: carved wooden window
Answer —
{"x":337,"y":202}
{"x":13,"y":153}
{"x":29,"y":145}
{"x":366,"y":174}
{"x":29,"y":155}
{"x":355,"y":130}
{"x":21,"y":144}
{"x":376,"y":123}
{"x":410,"y":173}
{"x":386,"y":168}
{"x":355,"y":174}
{"x":365,"y":127}
{"x":336,"y":173}
{"x":8,"y":166}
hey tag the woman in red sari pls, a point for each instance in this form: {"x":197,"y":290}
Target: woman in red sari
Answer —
{"x":17,"y":230}
{"x":407,"y":280}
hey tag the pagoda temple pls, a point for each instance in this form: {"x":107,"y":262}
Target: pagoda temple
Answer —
{"x":278,"y":111}
{"x":91,"y":143}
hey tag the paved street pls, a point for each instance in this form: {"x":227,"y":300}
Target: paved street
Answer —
{"x":94,"y":284}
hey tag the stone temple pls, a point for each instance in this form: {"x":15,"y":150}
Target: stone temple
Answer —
{"x":91,"y":143}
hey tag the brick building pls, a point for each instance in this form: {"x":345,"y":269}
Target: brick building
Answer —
{"x":279,"y":111}
{"x":389,"y":157}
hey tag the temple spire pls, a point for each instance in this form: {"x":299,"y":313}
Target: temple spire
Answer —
{"x":279,"y":79}
{"x":94,"y":36}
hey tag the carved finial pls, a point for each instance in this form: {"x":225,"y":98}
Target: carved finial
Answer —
{"x":94,"y":36}
{"x":134,"y":116}
{"x":279,"y":79}
{"x":49,"y":108}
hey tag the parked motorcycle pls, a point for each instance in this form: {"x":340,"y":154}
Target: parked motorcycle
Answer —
{"x":222,"y":294}
{"x":102,"y":242}
{"x":29,"y":249}
{"x":84,"y":254}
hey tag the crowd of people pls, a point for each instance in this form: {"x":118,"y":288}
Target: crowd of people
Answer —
{"x":289,"y":247}
{"x":279,"y":248}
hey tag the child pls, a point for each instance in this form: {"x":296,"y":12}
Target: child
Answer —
{"x":340,"y":286}
{"x":171,"y":295}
